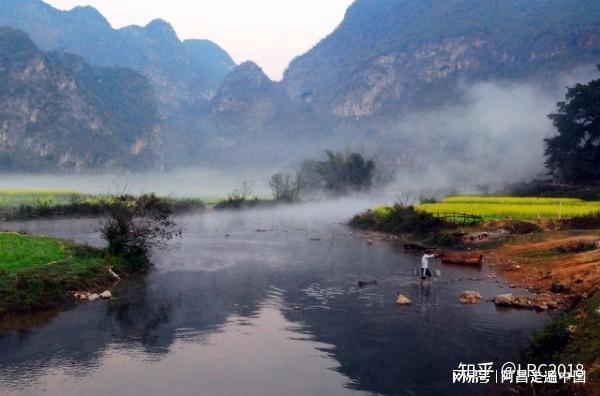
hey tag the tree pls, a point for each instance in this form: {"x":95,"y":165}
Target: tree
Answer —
{"x":286,"y":187}
{"x":573,"y":155}
{"x":343,"y":173}
{"x":137,"y":225}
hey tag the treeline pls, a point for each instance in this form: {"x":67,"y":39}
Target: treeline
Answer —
{"x":337,"y":174}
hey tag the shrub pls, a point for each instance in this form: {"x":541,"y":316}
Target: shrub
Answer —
{"x":137,"y":225}
{"x":400,"y":219}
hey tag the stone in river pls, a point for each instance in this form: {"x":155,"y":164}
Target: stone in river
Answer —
{"x":402,"y":300}
{"x":470,"y":297}
{"x":504,"y":299}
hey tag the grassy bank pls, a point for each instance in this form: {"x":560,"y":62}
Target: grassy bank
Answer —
{"x":408,"y":222}
{"x":40,"y":273}
{"x":515,"y":208}
{"x":571,"y":339}
{"x":17,"y":204}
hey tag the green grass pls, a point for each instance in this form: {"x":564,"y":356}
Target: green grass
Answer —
{"x":40,"y":272}
{"x":18,"y":252}
{"x":515,"y":208}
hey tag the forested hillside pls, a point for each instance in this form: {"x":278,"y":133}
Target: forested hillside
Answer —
{"x":59,"y":113}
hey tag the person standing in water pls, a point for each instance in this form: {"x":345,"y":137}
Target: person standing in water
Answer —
{"x":425,"y":271}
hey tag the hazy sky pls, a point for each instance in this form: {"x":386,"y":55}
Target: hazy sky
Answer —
{"x":269,"y":32}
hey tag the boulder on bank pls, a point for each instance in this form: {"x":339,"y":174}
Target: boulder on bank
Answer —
{"x":402,"y":300}
{"x":106,"y":295}
{"x":470,"y":297}
{"x":542,"y":302}
{"x":93,"y":297}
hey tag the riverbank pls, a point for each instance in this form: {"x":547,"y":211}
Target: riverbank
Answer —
{"x":556,"y":260}
{"x":24,"y":204}
{"x":566,"y":266}
{"x":40,"y":273}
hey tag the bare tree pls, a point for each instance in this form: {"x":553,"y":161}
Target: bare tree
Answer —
{"x":286,"y":187}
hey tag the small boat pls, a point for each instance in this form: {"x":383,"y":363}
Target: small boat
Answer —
{"x":463,"y":258}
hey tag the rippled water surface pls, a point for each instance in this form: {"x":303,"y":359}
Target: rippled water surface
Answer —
{"x":264,"y":303}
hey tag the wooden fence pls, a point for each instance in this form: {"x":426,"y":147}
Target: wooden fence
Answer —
{"x":459,"y":217}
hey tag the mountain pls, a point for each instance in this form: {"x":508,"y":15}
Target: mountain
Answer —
{"x":365,"y":85}
{"x":251,"y":115}
{"x":390,"y":56}
{"x":57,"y":112}
{"x":183,"y":71}
{"x":185,"y":75}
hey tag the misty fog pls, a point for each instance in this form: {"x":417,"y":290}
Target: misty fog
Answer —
{"x":492,"y":136}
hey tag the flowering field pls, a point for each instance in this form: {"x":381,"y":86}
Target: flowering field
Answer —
{"x":517,"y":208}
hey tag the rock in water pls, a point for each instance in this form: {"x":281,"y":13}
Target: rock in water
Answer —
{"x":504,"y":300}
{"x":105,"y":295}
{"x":470,"y":297}
{"x":402,"y":300}
{"x":93,"y":297}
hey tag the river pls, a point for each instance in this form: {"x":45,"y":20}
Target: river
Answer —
{"x":266,"y":302}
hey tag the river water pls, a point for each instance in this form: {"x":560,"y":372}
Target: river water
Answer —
{"x":265,"y":302}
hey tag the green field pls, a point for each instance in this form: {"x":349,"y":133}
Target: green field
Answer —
{"x":40,"y":272}
{"x":19,"y":252}
{"x":11,"y":198}
{"x":38,"y":203}
{"x":515,"y":208}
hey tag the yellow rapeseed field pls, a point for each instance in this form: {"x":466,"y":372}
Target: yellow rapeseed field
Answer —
{"x":517,"y":208}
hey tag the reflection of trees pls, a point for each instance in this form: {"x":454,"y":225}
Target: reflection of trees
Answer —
{"x":147,"y":314}
{"x":379,"y":348}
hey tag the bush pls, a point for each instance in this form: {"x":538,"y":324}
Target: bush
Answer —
{"x":137,"y":225}
{"x":547,"y":345}
{"x":400,"y":219}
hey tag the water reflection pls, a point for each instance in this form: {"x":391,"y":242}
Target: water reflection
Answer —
{"x":236,"y":311}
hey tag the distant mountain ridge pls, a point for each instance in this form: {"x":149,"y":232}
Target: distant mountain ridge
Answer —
{"x":185,"y":74}
{"x":386,"y":60}
{"x":59,"y":113}
{"x":388,"y":55}
{"x":177,"y":68}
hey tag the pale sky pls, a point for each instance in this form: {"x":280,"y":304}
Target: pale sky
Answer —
{"x":269,"y":32}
